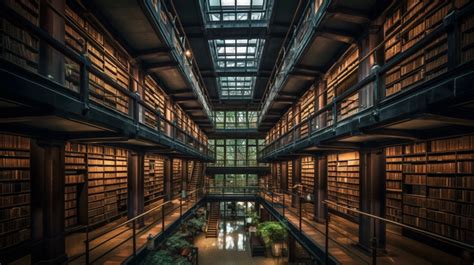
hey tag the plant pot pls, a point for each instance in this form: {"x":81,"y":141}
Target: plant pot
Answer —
{"x":277,"y":249}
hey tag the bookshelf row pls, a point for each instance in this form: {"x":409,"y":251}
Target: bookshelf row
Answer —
{"x":14,"y":190}
{"x":308,"y":169}
{"x":405,"y":24}
{"x":343,"y":180}
{"x":431,"y":185}
{"x":88,"y":36}
{"x":177,"y":178}
{"x":17,"y":45}
{"x":154,"y":179}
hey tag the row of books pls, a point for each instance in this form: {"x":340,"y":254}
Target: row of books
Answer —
{"x":14,"y":212}
{"x":467,"y":38}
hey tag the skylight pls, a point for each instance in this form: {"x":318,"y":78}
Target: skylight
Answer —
{"x":236,"y":86}
{"x":236,"y":10}
{"x":235,"y":54}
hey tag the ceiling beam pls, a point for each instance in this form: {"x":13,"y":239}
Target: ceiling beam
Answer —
{"x":152,"y":52}
{"x":160,"y":66}
{"x":350,"y":16}
{"x":336,"y":35}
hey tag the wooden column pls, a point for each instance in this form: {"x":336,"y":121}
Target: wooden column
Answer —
{"x":296,"y":180}
{"x":284,"y":176}
{"x":51,"y":62}
{"x":372,"y":197}
{"x":47,"y":202}
{"x":320,"y":189}
{"x":167,"y":180}
{"x":136,"y":184}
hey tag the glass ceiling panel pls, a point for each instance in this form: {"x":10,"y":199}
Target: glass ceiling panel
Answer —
{"x":236,"y":10}
{"x":237,"y":54}
{"x":236,"y":86}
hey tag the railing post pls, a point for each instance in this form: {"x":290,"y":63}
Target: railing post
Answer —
{"x":273,"y":203}
{"x":326,"y":236}
{"x":87,"y":246}
{"x":284,"y":205}
{"x":181,"y":205}
{"x":300,"y":211}
{"x":134,"y":239}
{"x":162,"y":218}
{"x":374,"y":243}
{"x":84,"y":86}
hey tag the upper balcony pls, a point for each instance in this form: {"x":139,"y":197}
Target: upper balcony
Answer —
{"x":68,"y":97}
{"x":419,"y":87}
{"x":154,"y":35}
{"x":324,"y":31}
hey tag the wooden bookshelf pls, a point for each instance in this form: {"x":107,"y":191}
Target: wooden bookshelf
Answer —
{"x":306,"y":110}
{"x":412,"y":20}
{"x":341,"y":77}
{"x":15,"y":190}
{"x":75,"y":178}
{"x":438,"y":187}
{"x":16,"y":44}
{"x":107,"y":183}
{"x":154,"y":178}
{"x":290,"y":175}
{"x":156,"y":99}
{"x":467,"y":38}
{"x":393,"y":183}
{"x":308,"y":169}
{"x":277,"y":174}
{"x":343,"y":181}
{"x":83,"y":36}
{"x":177,"y":177}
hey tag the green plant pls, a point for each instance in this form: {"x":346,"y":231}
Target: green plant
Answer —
{"x":195,"y":225}
{"x":177,"y":242}
{"x":164,"y":257}
{"x":272,"y":232}
{"x":254,"y":216}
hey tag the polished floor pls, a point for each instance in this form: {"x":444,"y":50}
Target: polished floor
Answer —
{"x":231,"y":247}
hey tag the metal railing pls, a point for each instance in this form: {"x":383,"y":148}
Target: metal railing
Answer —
{"x":93,"y":88}
{"x":293,"y":44}
{"x":334,"y":240}
{"x":330,"y":116}
{"x":176,"y":38}
{"x":132,"y":235}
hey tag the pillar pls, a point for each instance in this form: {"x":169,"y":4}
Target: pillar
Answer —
{"x":51,"y":62}
{"x":372,"y":197}
{"x":291,"y":250}
{"x":320,"y":189}
{"x":284,"y":176}
{"x":47,"y":202}
{"x":296,"y":181}
{"x":167,"y":180}
{"x":136,"y":184}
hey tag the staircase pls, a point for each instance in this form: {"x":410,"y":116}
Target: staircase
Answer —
{"x":196,"y":177}
{"x":213,"y":221}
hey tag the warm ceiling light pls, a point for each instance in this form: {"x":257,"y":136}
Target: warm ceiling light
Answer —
{"x":188,"y":53}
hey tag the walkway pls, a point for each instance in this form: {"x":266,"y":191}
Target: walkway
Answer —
{"x":343,"y":238}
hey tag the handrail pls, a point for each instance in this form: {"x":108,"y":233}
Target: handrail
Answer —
{"x":128,"y":221}
{"x":441,"y":28}
{"x":430,"y":234}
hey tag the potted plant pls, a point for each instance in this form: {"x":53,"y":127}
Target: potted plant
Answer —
{"x":164,"y":257}
{"x":274,"y":235}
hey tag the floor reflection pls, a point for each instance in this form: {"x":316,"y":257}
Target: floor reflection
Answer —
{"x":231,"y":247}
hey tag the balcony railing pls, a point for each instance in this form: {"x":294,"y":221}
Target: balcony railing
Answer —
{"x":291,"y":51}
{"x":84,"y":82}
{"x":370,"y":93}
{"x":175,"y":37}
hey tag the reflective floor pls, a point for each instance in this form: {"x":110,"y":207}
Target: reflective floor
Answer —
{"x":231,"y":247}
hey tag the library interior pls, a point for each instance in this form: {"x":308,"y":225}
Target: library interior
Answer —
{"x":228,"y":132}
